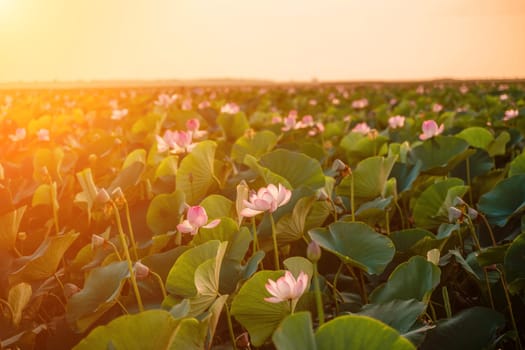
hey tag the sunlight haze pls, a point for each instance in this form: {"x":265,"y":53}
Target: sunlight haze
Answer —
{"x":56,"y":40}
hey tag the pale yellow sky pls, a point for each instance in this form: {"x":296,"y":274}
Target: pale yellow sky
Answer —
{"x":43,"y":40}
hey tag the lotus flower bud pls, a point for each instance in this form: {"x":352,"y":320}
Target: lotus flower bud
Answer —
{"x":141,"y":270}
{"x":454,"y":215}
{"x":322,"y":194}
{"x":433,"y":256}
{"x":92,"y":158}
{"x":472,"y":213}
{"x":338,"y":165}
{"x":21,"y":236}
{"x":102,"y":196}
{"x":313,"y":251}
{"x":97,"y":241}
{"x":117,"y":193}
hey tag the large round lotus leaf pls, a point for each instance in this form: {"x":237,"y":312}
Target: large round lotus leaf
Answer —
{"x":470,"y":329}
{"x":414,"y":279}
{"x":359,"y":146}
{"x":476,"y":137}
{"x":398,"y":314}
{"x":405,"y":175}
{"x":152,"y":329}
{"x":297,"y":168}
{"x":255,"y":314}
{"x":517,"y":166}
{"x":195,"y":175}
{"x":441,"y":154}
{"x":431,"y":208}
{"x":217,"y":206}
{"x":233,"y":125}
{"x":357,"y":244}
{"x":515,"y":263}
{"x":506,"y":199}
{"x":181,"y":278}
{"x":416,"y":240}
{"x":9,"y":225}
{"x":479,"y":163}
{"x":295,"y":332}
{"x":101,"y":290}
{"x":131,"y":171}
{"x":498,"y":146}
{"x":370,"y":177}
{"x":359,"y":333}
{"x":44,"y":262}
{"x":164,"y":212}
{"x":256,"y":145}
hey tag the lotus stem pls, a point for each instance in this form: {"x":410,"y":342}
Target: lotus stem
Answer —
{"x":256,"y":241}
{"x":54,"y":208}
{"x":275,"y":247}
{"x":486,"y":222}
{"x":230,"y":326}
{"x":509,"y":303}
{"x":469,"y":180}
{"x":401,"y":215}
{"x":352,"y":201}
{"x":336,"y":279}
{"x":161,"y":283}
{"x":128,"y":258}
{"x":318,"y":296}
{"x":446,"y":301}
{"x":387,"y":222}
{"x":130,"y":229}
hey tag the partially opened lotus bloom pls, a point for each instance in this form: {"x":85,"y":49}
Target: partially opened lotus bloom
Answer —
{"x":196,"y":218}
{"x":430,"y":129}
{"x":266,"y":199}
{"x":287,"y":288}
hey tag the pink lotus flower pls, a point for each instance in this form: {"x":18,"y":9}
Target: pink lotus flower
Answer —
{"x":420,"y":89}
{"x":436,"y":108}
{"x":266,"y":199}
{"x":175,"y":142}
{"x":230,"y":108}
{"x":397,"y":121}
{"x":463,"y":89}
{"x":119,"y":114}
{"x":277,"y":119}
{"x":196,"y":218}
{"x":193,"y":126}
{"x":204,"y":104}
{"x":187,"y":104}
{"x":287,"y":288}
{"x":360,"y":104}
{"x":43,"y":135}
{"x":511,"y":114}
{"x":503,"y":97}
{"x":361,"y":128}
{"x":141,"y":271}
{"x":164,"y":100}
{"x":19,"y":135}
{"x":312,"y":102}
{"x":430,"y":129}
{"x":289,"y":122}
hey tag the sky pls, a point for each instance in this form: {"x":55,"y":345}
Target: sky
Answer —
{"x":283,"y":40}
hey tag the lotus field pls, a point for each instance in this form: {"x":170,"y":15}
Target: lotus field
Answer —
{"x":275,"y":217}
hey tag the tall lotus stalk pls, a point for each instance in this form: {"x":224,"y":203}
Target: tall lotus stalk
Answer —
{"x":313,"y":252}
{"x":267,"y":199}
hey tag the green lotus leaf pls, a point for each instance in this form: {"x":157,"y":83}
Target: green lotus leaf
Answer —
{"x":9,"y":225}
{"x":504,"y":201}
{"x":398,"y":314}
{"x":100,"y":292}
{"x":359,"y":333}
{"x":196,"y":176}
{"x":517,"y":166}
{"x":86,"y":198}
{"x":441,"y":154}
{"x":358,"y":146}
{"x":297,"y":168}
{"x":370,"y":178}
{"x":416,"y":240}
{"x":497,"y":147}
{"x":431,"y":208}
{"x":181,"y":278}
{"x":414,"y":279}
{"x":295,"y":332}
{"x":18,"y":298}
{"x":131,"y":171}
{"x":152,"y":329}
{"x":456,"y":332}
{"x":51,"y":160}
{"x":164,"y":212}
{"x":46,"y":194}
{"x":476,"y":137}
{"x":515,"y":264}
{"x":217,"y":206}
{"x":44,"y":262}
{"x":405,"y":175}
{"x":255,"y":145}
{"x":249,"y":308}
{"x":233,"y":126}
{"x":357,"y":244}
